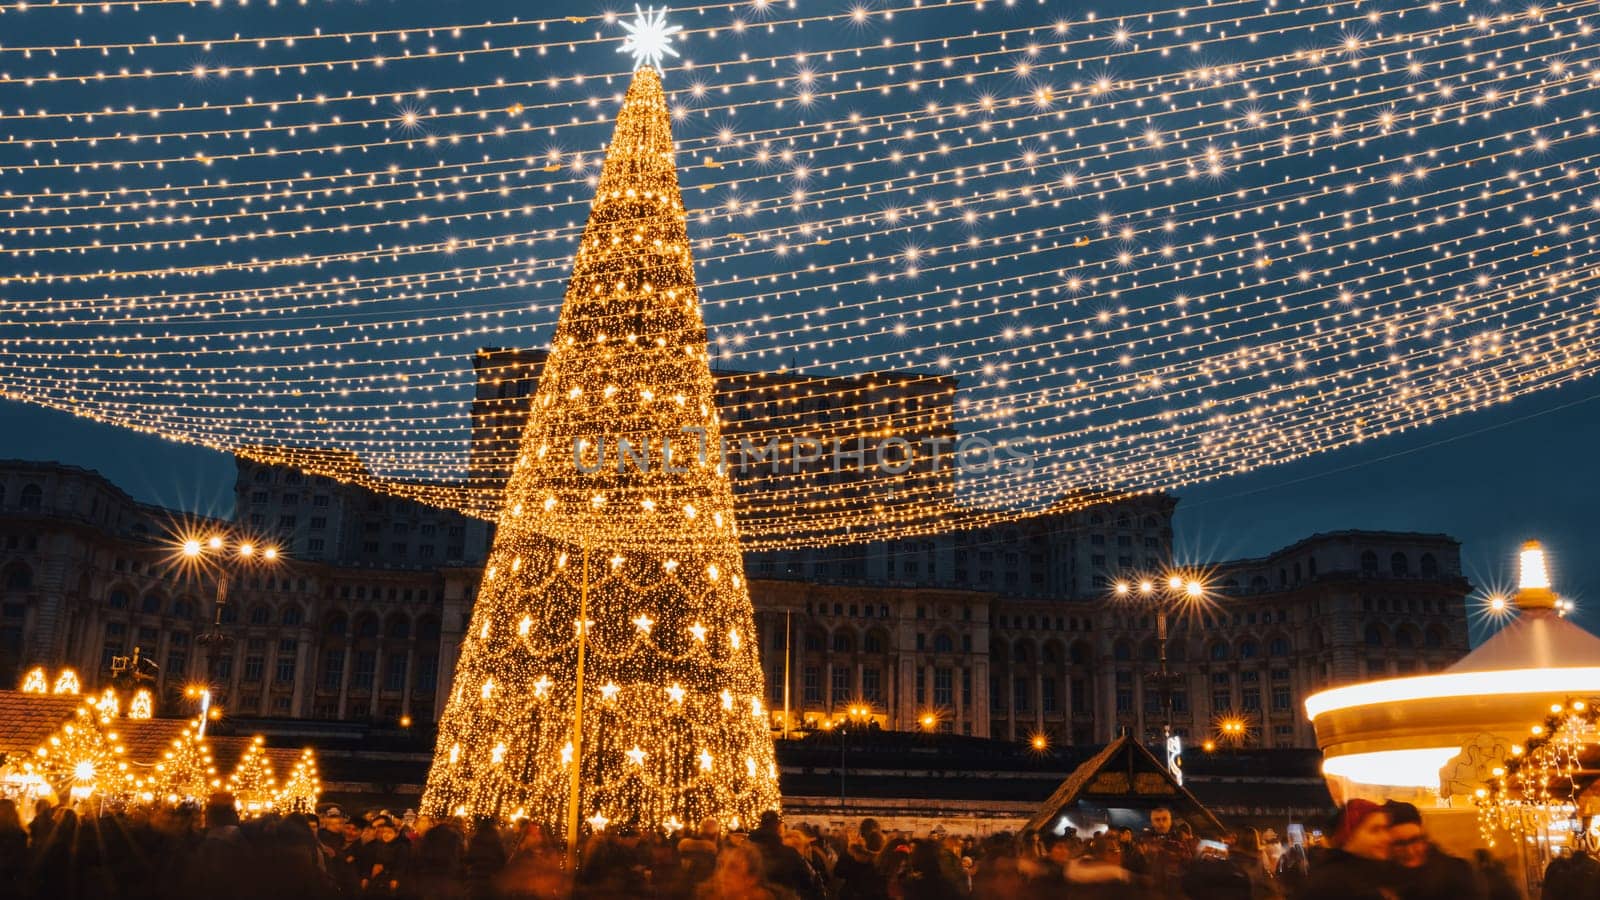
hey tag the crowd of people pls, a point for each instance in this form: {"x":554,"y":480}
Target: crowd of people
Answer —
{"x":1370,"y":852}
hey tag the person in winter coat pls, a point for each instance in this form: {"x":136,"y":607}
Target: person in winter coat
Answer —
{"x":1356,"y":866}
{"x":1425,"y":871}
{"x":1099,"y":874}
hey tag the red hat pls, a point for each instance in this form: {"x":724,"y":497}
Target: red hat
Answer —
{"x":1350,"y":818}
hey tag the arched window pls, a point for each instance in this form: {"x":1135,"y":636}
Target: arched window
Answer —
{"x":1151,"y":522}
{"x":427,"y":628}
{"x":260,"y":614}
{"x":1122,"y":650}
{"x":367,"y":626}
{"x":942,"y":643}
{"x":1021,"y":653}
{"x":292,"y":614}
{"x":1219,"y":651}
{"x":263,"y":476}
{"x":1374,"y":635}
{"x":1147,"y":651}
{"x":1296,"y":573}
{"x":32,"y":497}
{"x":336,"y":625}
{"x":814,"y":641}
{"x":230,"y":613}
{"x":1279,"y":646}
{"x":842,"y":642}
{"x":1405,"y":639}
{"x":1122,"y":521}
{"x":873,"y":642}
{"x":1311,"y":567}
{"x":1258,"y":583}
{"x":399,"y":627}
{"x":1079,"y":654}
{"x":183,"y":609}
{"x":1369,"y":563}
{"x":1247,"y":649}
{"x":1398,"y":565}
{"x":1433,"y":638}
{"x":1097,"y":519}
{"x":1430,"y":566}
{"x":151,"y":605}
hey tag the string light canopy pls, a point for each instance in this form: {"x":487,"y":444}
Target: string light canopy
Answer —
{"x":1138,"y":250}
{"x":609,"y":675}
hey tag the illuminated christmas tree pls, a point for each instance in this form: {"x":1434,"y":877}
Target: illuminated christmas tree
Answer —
{"x":303,"y":786}
{"x":186,"y":771}
{"x":619,"y":512}
{"x":253,"y":784}
{"x":83,"y":759}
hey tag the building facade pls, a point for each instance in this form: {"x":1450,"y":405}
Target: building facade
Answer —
{"x":1009,"y":632}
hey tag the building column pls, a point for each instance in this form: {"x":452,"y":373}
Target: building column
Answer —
{"x":1038,"y":699}
{"x":304,"y":665}
{"x":344,"y":678}
{"x":411,"y":676}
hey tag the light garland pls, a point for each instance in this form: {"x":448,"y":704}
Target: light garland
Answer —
{"x":634,"y":695}
{"x":1535,"y":790}
{"x":1113,"y":252}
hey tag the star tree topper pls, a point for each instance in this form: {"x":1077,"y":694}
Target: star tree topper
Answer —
{"x":649,"y":37}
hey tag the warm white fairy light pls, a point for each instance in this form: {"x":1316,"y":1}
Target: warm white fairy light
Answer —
{"x":1024,"y":236}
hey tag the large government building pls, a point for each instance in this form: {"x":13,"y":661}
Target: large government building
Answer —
{"x":1010,"y":632}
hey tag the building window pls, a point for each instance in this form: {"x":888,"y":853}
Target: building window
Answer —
{"x":841,"y":684}
{"x":366,"y":666}
{"x":1023,"y":695}
{"x":285,"y":668}
{"x":332,"y":669}
{"x":922,"y":685}
{"x":966,"y":688}
{"x":943,"y":688}
{"x":394,"y":672}
{"x":871,"y":687}
{"x":252,"y":668}
{"x":427,"y":673}
{"x":1281,"y":700}
{"x":1124,"y":685}
{"x":811,"y":681}
{"x":1047,"y":695}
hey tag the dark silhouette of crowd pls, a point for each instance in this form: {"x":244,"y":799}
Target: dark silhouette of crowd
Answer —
{"x":1371,"y":852}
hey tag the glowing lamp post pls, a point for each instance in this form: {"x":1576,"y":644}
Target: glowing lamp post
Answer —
{"x":1179,"y":590}
{"x":223,"y":556}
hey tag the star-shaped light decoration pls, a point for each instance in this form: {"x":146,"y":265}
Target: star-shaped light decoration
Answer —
{"x":675,"y":693}
{"x":733,"y":637}
{"x":498,"y":754}
{"x":705,"y":760}
{"x":541,"y":687}
{"x":672,"y":824}
{"x":636,"y":755}
{"x":598,"y":822}
{"x":566,"y":753}
{"x":643,"y":622}
{"x":727,"y":700}
{"x":649,"y":37}
{"x":609,"y":691}
{"x":698,"y":630}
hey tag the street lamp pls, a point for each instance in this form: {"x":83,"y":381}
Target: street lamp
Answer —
{"x":856,"y":714}
{"x":1178,"y":589}
{"x":221,"y":555}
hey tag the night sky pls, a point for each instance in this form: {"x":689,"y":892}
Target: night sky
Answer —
{"x":1280,"y":255}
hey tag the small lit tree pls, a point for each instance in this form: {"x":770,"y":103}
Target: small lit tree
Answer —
{"x":303,"y":786}
{"x":84,"y":758}
{"x":253,"y":784}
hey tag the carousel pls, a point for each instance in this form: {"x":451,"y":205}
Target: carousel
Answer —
{"x":1499,"y":750}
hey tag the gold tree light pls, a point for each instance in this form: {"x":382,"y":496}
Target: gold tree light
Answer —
{"x":609,"y":675}
{"x":36,"y":681}
{"x":142,"y":706}
{"x":303,"y":786}
{"x":253,"y":784}
{"x":84,"y":758}
{"x":66,"y":683}
{"x":186,"y":771}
